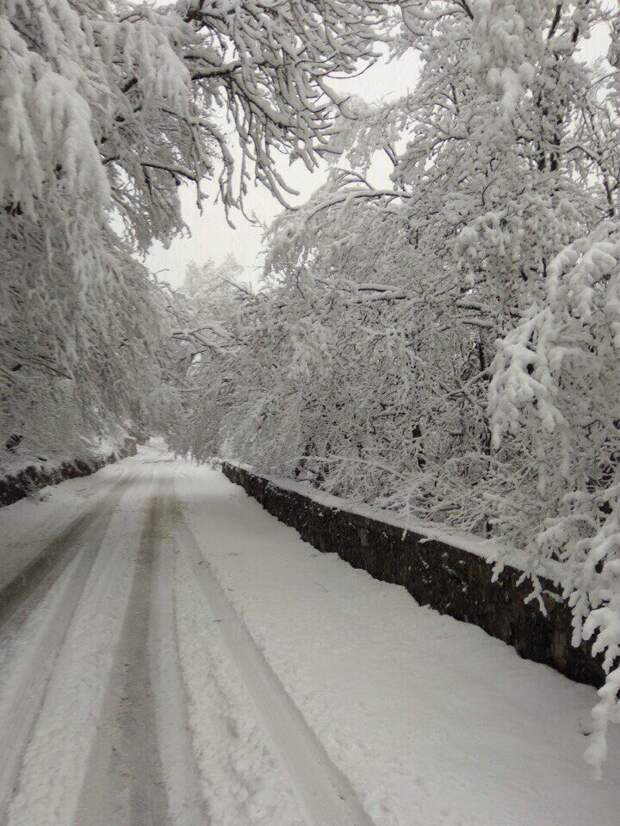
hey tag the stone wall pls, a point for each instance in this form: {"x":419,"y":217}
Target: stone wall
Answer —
{"x":34,"y":477}
{"x":450,"y":580}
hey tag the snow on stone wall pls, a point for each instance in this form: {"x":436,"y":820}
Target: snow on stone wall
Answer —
{"x":450,"y":580}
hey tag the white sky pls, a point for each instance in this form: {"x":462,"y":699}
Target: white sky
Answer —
{"x":212,"y":237}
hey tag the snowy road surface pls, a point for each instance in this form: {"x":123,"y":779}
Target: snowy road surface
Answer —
{"x":174,"y":655}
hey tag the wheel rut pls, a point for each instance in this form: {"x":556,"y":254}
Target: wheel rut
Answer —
{"x":124,"y":782}
{"x":22,"y":591}
{"x":141,"y":769}
{"x":76,"y":640}
{"x":323,"y":791}
{"x":59,"y":576}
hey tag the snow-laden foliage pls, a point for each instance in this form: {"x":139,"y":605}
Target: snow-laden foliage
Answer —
{"x":448,"y":345}
{"x":556,"y":391}
{"x":106,"y":108}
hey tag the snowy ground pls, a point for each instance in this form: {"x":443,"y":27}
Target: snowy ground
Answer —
{"x":188,"y":660}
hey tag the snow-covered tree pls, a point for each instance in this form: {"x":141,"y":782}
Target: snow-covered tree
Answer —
{"x":112,"y":105}
{"x":106,"y":108}
{"x":447,"y":343}
{"x":555,"y":398}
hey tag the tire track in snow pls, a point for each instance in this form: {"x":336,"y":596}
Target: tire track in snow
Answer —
{"x":33,"y":634}
{"x":56,"y":757}
{"x":241,"y":779}
{"x":186,"y":806}
{"x":124,"y":782}
{"x":324,"y":792}
{"x":48,"y":565}
{"x":142,"y":769}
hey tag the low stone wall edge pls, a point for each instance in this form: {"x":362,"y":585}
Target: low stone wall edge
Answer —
{"x":14,"y":487}
{"x":448,"y":579}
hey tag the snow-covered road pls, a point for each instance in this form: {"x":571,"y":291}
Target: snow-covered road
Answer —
{"x":174,"y":655}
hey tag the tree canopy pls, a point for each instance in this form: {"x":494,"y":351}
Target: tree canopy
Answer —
{"x":107,"y":108}
{"x":447,"y":346}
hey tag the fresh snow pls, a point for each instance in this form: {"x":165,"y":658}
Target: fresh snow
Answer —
{"x":432,"y":720}
{"x":195,"y":661}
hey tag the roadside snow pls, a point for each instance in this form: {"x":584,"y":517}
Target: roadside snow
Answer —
{"x":240,"y":778}
{"x":323,"y":792}
{"x":434,"y":722}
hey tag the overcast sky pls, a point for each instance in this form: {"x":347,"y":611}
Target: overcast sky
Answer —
{"x":212,"y":237}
